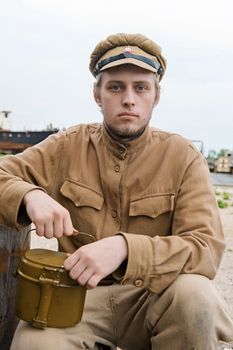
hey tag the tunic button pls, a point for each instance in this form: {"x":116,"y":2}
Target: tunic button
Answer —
{"x":117,"y":168}
{"x":114,"y":214}
{"x":121,"y":149}
{"x":138,"y":283}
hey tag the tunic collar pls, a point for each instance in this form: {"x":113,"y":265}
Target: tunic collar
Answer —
{"x":121,"y":149}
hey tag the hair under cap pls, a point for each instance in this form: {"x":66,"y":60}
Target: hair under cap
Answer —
{"x":123,"y":48}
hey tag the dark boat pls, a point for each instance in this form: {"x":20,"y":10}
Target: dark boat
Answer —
{"x":17,"y":141}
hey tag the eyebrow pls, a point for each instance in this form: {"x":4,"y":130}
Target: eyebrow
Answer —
{"x":122,"y":82}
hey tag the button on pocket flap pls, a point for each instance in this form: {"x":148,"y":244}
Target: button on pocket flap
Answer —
{"x":81,"y":195}
{"x":152,"y":206}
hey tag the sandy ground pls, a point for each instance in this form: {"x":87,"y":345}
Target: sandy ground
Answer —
{"x":224,"y":278}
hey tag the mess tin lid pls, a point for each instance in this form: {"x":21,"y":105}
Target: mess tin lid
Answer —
{"x":46,"y":257}
{"x":37,"y":262}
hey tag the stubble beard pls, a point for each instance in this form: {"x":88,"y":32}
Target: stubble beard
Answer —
{"x":125,"y":135}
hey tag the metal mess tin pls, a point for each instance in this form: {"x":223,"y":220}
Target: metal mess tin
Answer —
{"x":46,"y":295}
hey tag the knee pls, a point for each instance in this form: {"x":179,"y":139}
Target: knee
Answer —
{"x":192,"y":291}
{"x":25,"y":337}
{"x":190,"y":307}
{"x":193,"y":302}
{"x":28,"y":338}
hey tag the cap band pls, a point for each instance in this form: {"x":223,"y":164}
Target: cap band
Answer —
{"x":108,"y":60}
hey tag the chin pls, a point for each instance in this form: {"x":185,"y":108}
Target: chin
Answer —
{"x":128,"y":133}
{"x":125,"y":131}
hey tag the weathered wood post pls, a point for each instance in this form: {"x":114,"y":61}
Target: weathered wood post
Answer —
{"x":12,"y":245}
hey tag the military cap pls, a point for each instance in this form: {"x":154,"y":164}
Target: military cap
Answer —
{"x":118,"y":49}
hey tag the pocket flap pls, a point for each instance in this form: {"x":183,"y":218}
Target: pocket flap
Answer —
{"x":152,"y":206}
{"x":81,"y":195}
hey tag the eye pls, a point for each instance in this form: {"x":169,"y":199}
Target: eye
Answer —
{"x":114,"y":87}
{"x":141,"y":87}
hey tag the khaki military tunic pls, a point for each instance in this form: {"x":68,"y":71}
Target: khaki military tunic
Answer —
{"x":155,"y":191}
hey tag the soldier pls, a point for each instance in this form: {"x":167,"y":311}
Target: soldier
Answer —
{"x":146,"y":197}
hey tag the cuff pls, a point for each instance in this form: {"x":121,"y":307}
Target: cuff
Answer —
{"x":140,"y":257}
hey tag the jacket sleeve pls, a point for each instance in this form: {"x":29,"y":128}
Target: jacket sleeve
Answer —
{"x":196,"y":242}
{"x":36,"y":167}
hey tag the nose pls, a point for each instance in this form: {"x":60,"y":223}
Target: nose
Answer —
{"x":128,"y":99}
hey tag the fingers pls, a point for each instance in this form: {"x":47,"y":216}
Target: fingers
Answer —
{"x":39,"y":229}
{"x":83,"y":268}
{"x":75,"y":232}
{"x":50,"y":218}
{"x":78,"y":270}
{"x":94,"y":261}
{"x":58,"y":228}
{"x":54,"y":225}
{"x":93,"y":282}
{"x":68,"y":229}
{"x":49,"y":229}
{"x":89,"y":279}
{"x":72,"y":259}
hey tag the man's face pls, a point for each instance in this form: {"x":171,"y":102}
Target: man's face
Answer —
{"x":127,"y":95}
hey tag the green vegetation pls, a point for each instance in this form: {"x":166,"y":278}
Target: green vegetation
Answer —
{"x":222,"y":204}
{"x":226,"y":196}
{"x":229,"y":250}
{"x":224,"y":199}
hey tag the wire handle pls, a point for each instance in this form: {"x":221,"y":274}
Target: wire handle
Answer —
{"x":66,"y":243}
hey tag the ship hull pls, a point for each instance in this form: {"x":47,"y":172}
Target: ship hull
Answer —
{"x":17,"y":141}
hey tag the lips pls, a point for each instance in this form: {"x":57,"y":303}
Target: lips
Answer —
{"x":127,"y":114}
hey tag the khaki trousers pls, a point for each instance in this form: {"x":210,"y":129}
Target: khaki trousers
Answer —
{"x":187,"y":315}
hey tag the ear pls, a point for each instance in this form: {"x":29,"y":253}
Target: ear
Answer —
{"x":96,"y":94}
{"x":157,"y":97}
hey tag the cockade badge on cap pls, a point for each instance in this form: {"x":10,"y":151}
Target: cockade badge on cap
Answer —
{"x":128,"y":49}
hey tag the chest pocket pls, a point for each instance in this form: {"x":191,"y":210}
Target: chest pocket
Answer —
{"x":152,"y":206}
{"x":81,"y":195}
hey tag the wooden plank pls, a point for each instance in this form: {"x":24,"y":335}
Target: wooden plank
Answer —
{"x":12,"y":245}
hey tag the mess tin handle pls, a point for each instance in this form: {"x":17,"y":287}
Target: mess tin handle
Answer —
{"x":69,"y":246}
{"x":48,"y":280}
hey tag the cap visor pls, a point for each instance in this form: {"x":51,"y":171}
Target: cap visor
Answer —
{"x":129,"y":61}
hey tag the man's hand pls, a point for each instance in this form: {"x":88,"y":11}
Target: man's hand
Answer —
{"x":93,"y":262}
{"x":50,"y":218}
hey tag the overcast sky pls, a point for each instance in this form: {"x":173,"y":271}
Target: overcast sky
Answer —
{"x":46,"y":44}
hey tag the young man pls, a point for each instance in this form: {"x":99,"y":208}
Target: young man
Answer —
{"x":147,"y":198}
